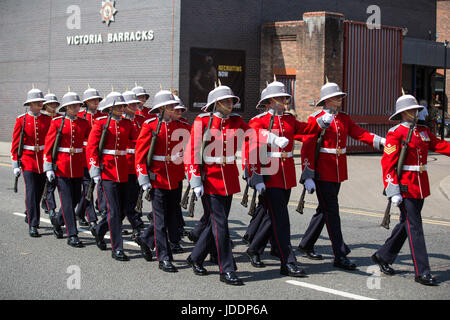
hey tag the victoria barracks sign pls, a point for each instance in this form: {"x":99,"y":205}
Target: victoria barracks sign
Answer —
{"x":107,"y":12}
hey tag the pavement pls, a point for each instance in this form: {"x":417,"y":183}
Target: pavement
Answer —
{"x":47,"y":268}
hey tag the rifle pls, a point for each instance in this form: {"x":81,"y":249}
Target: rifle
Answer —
{"x":244,"y":201}
{"x":401,"y":160}
{"x":150,"y":154}
{"x":185,"y":198}
{"x":251,"y":211}
{"x":100,"y":153}
{"x":55,"y":152}
{"x":151,"y":150}
{"x":205,"y":138}
{"x":301,"y":202}
{"x":20,"y":151}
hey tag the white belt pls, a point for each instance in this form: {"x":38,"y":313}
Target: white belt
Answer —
{"x":130,"y":151}
{"x":34,"y":148}
{"x":71,"y":150}
{"x":115,"y":152}
{"x":220,"y":160}
{"x":333,"y":151}
{"x":168,"y":158}
{"x":415,"y":168}
{"x":279,"y":154}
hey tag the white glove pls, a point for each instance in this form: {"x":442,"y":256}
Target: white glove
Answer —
{"x":97,"y":179}
{"x":327,"y":118}
{"x":199,"y":191}
{"x":260,"y":187}
{"x":50,"y":175}
{"x":383,"y":142}
{"x":146,"y":186}
{"x":280,"y":142}
{"x":17,"y":172}
{"x":397,"y":199}
{"x":310,"y":185}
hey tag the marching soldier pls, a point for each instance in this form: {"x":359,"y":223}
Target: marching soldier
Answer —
{"x":133,"y":187}
{"x":109,"y":168}
{"x":326,"y":173}
{"x":214,"y":177}
{"x":143,"y":96}
{"x":68,"y":132}
{"x":408,"y":192}
{"x":48,"y":200}
{"x":275,"y":189}
{"x":29,"y":132}
{"x":163,"y":177}
{"x":85,"y":209}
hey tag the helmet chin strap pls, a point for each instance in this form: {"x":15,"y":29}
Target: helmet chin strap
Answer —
{"x":222,"y":107}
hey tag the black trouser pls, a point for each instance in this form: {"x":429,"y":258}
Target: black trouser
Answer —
{"x":101,"y":201}
{"x":275,"y":222}
{"x":255,"y":222}
{"x":34,"y":187}
{"x":86,"y":208}
{"x":164,"y":204}
{"x":48,"y":200}
{"x":326,"y":213}
{"x":216,"y":233}
{"x":114,"y":195}
{"x":133,"y":193}
{"x":410,"y":226}
{"x":69,"y":190}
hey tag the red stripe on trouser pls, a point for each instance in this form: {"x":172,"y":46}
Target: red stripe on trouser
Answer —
{"x":154,"y":232}
{"x":109,"y":216}
{"x":215,"y":236}
{"x":283,"y":261}
{"x":326,"y":219}
{"x":410,"y":239}
{"x":26,"y":205}
{"x":62,"y":210}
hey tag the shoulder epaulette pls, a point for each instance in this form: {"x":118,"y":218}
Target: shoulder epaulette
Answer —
{"x":235,"y":115}
{"x":316,"y":113}
{"x":259,"y":115}
{"x":394,"y":128}
{"x":286,"y":113}
{"x":21,"y":115}
{"x":150,"y":120}
{"x":202,"y":115}
{"x":100,"y":118}
{"x":56,"y":118}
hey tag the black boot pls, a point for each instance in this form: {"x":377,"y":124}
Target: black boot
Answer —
{"x":75,"y":242}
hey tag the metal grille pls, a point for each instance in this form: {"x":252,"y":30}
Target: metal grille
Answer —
{"x":289,"y":83}
{"x":372,"y":76}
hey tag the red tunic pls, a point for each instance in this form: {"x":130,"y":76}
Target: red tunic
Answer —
{"x":36,"y":128}
{"x":281,"y":164}
{"x":220,"y":173}
{"x":114,"y":159}
{"x":69,"y":163}
{"x":332,"y":162}
{"x":414,"y":176}
{"x":90,"y":117}
{"x":137,"y":122}
{"x":167,"y":168}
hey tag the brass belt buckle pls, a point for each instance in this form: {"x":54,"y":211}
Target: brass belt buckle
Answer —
{"x":224,"y":160}
{"x":117,"y":152}
{"x":168,"y":158}
{"x":72,"y":151}
{"x":338,"y":151}
{"x":421,"y":169}
{"x":36,"y":149}
{"x":283,"y":155}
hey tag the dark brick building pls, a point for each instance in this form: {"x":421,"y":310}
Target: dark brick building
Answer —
{"x":54,"y":44}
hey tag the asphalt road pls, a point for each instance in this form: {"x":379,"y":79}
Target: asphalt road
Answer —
{"x":43,"y":268}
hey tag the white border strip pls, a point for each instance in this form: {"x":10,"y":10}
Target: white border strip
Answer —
{"x":328,"y":290}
